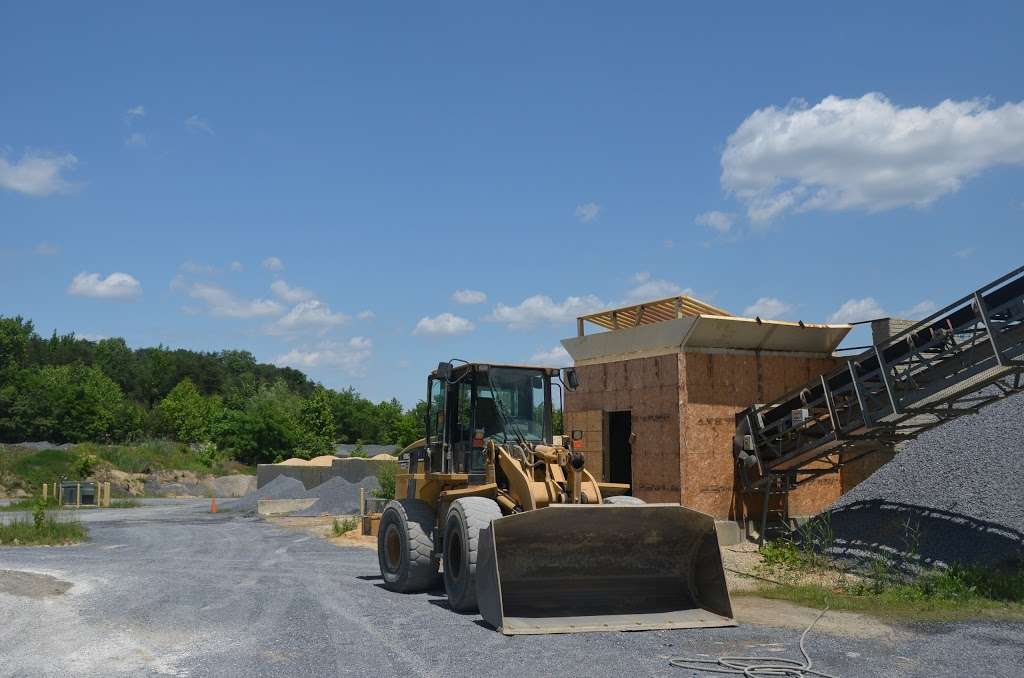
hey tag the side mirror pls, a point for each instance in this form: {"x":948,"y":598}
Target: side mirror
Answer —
{"x":444,"y":371}
{"x":569,"y":378}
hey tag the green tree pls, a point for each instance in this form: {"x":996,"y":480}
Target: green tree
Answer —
{"x":187,"y":414}
{"x":71,"y":403}
{"x":318,"y":424}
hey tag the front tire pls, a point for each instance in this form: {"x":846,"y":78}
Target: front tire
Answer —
{"x":405,"y":549}
{"x":466,"y":517}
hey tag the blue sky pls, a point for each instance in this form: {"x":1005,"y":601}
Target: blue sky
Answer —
{"x":315,"y":183}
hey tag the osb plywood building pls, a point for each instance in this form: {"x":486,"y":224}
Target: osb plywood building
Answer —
{"x":661,"y":383}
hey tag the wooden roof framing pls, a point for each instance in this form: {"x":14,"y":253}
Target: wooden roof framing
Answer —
{"x":649,"y":312}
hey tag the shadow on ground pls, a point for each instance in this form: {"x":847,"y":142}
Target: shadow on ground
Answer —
{"x":911,"y":536}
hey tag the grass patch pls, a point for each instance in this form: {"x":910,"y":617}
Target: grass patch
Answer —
{"x":342,"y":525}
{"x":43,"y":529}
{"x":124,"y":503}
{"x":807,"y":576}
{"x":29,"y":504}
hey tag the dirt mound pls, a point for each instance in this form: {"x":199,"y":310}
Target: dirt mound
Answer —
{"x":237,"y":485}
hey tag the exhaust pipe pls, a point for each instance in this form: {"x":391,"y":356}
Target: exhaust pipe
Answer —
{"x":572,"y":568}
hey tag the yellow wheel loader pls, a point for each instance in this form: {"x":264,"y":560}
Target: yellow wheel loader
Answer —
{"x":524,"y":533}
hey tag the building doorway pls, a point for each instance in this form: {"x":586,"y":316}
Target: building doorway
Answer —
{"x":620,"y":453}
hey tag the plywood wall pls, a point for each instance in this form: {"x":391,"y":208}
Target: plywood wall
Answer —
{"x":649,"y":389}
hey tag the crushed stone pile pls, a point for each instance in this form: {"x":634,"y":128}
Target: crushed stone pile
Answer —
{"x":955,"y":494}
{"x":281,"y":487}
{"x":338,"y":496}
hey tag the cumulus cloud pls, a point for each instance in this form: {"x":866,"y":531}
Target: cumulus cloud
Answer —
{"x":554,"y":357}
{"x":37,"y":174}
{"x":350,"y":357}
{"x":136,"y":140}
{"x":197,"y":124}
{"x":196,"y":268}
{"x":46,"y":249}
{"x":444,"y":324}
{"x":867,"y":153}
{"x":647,"y":288}
{"x":273,"y":264}
{"x":587,"y":212}
{"x":224,"y":303}
{"x":236,"y":266}
{"x":292,"y":295}
{"x":136,"y":112}
{"x":768,"y":308}
{"x":115,"y":286}
{"x":469,"y":297}
{"x":964,"y":253}
{"x":856,"y":310}
{"x":541,"y":308}
{"x":719,"y":221}
{"x":366,"y":314}
{"x":919,"y":310}
{"x":312,"y":314}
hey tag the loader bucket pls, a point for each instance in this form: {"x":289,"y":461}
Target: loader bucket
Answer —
{"x":574,"y":568}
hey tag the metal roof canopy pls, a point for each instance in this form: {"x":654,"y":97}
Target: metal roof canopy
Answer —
{"x":703,"y":333}
{"x":660,"y":310}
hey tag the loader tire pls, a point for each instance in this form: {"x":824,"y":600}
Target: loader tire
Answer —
{"x":405,"y":549}
{"x":623,"y":500}
{"x":466,"y":517}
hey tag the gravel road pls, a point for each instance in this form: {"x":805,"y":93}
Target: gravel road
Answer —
{"x":174,"y":590}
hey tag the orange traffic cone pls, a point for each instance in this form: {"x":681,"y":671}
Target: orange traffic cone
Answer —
{"x":213,"y":504}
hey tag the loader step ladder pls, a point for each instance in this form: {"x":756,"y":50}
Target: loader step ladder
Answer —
{"x":954,"y":362}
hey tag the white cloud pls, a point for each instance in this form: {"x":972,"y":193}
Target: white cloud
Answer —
{"x":444,"y":324}
{"x":273,"y":264}
{"x":197,"y":124}
{"x":649,"y":289}
{"x":292,"y":295}
{"x":919,"y":311}
{"x":469,"y":297}
{"x":542,"y":308}
{"x":720,"y":221}
{"x":366,"y":314}
{"x":136,"y":112}
{"x":768,"y":308}
{"x":114,"y":286}
{"x":236,"y":266}
{"x":587,"y":212}
{"x":224,"y":303}
{"x":136,"y":140}
{"x":46,"y":249}
{"x":37,"y":174}
{"x":350,"y":357}
{"x":856,"y":310}
{"x":555,"y":357}
{"x":195,"y":268}
{"x":312,"y":314}
{"x":865,"y":153}
{"x":964,"y":253}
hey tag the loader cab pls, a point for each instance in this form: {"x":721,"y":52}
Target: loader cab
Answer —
{"x":470,"y":404}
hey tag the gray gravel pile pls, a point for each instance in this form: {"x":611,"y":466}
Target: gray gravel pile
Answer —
{"x":954,"y":494}
{"x":281,"y":487}
{"x":338,"y":496}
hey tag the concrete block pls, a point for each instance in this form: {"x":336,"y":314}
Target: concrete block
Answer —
{"x":274,"y":507}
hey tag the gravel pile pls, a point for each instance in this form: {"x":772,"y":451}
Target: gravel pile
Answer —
{"x":338,"y":496}
{"x":954,"y":494}
{"x":281,"y":487}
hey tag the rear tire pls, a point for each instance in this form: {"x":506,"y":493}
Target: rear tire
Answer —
{"x":405,"y":549}
{"x":623,"y":500}
{"x":466,"y":517}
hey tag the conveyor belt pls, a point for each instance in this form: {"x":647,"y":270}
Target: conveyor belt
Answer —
{"x":956,"y":361}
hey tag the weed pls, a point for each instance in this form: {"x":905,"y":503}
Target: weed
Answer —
{"x":341,"y":526}
{"x":42,"y":530}
{"x":386,"y":480}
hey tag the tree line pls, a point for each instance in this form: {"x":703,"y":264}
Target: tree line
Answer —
{"x":67,"y":389}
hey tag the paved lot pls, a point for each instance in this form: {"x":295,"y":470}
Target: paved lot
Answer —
{"x":172,"y":590}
